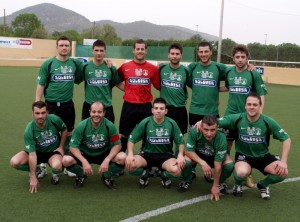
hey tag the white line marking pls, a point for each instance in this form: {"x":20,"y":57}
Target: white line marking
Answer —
{"x":162,"y":210}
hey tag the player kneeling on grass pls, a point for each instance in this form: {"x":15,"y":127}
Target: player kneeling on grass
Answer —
{"x":44,"y":139}
{"x":254,"y":130}
{"x":157,"y":133}
{"x":95,"y":140}
{"x":208,"y":148}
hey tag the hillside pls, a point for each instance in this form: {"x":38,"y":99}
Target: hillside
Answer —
{"x":59,"y":19}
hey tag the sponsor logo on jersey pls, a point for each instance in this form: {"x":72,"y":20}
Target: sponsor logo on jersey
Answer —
{"x":48,"y":141}
{"x":63,"y":77}
{"x":138,"y":81}
{"x":251,"y":139}
{"x":204,"y":82}
{"x":96,"y":145}
{"x":159,"y":140}
{"x":239,"y":90}
{"x":97,"y":82}
{"x":140,"y":72}
{"x":171,"y":84}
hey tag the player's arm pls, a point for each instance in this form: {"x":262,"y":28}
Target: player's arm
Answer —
{"x":215,"y":192}
{"x":39,"y":92}
{"x":121,"y":86}
{"x":130,"y":165}
{"x":282,"y":168}
{"x":113,"y":152}
{"x":34,"y":183}
{"x":223,"y":88}
{"x":180,"y":157}
{"x":205,"y":167}
{"x":262,"y":103}
{"x":63,"y":138}
{"x":87,"y":169}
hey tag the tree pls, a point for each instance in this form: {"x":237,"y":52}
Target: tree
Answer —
{"x":73,"y":35}
{"x":40,"y":33}
{"x":25,"y":24}
{"x":5,"y":30}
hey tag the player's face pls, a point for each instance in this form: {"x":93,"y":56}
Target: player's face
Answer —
{"x":252,"y":106}
{"x":175,"y":56}
{"x":97,"y":113}
{"x":63,"y":47}
{"x":204,"y":54}
{"x":139,"y":52}
{"x":209,"y":132}
{"x":99,"y":53}
{"x":40,"y":115}
{"x":241,"y":60}
{"x":159,"y":111}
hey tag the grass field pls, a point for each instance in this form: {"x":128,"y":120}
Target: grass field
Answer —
{"x":94,"y":202}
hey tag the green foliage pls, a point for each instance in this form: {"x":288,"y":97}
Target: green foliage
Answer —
{"x":72,"y":34}
{"x":25,"y":24}
{"x":40,"y":33}
{"x":6,"y":30}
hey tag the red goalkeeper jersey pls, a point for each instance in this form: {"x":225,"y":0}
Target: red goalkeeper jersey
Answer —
{"x":138,"y":79}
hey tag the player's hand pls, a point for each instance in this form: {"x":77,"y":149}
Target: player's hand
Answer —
{"x":281,"y":169}
{"x":180,"y":161}
{"x":33,"y":184}
{"x":108,"y":62}
{"x":251,"y":67}
{"x":215,"y":193}
{"x":87,"y":169}
{"x":130,"y":163}
{"x":206,"y":170}
{"x":104,"y":166}
{"x":198,"y":126}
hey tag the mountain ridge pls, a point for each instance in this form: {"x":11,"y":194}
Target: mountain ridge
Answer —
{"x":56,"y":18}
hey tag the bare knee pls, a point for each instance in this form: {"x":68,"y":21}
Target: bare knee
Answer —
{"x":120,"y":158}
{"x":68,"y":161}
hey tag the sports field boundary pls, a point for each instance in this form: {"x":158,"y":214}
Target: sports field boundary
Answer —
{"x":181,"y":204}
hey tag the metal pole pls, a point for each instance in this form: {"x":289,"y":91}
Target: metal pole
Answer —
{"x":220,"y":34}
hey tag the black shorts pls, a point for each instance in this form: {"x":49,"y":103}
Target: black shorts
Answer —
{"x":65,"y":111}
{"x":91,"y":159}
{"x":194,"y":118}
{"x":179,"y":114}
{"x":109,"y":112}
{"x":132,"y":114}
{"x":155,"y":159}
{"x":258,"y":163}
{"x":210,"y":160}
{"x":44,"y":157}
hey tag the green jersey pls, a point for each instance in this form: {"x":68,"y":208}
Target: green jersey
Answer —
{"x":216,"y":148}
{"x":46,"y":139}
{"x":253,"y":137}
{"x":58,"y":79}
{"x":204,"y":82}
{"x":99,"y":81}
{"x":93,"y":141}
{"x":173,"y":85}
{"x":157,"y":138}
{"x":240,"y":84}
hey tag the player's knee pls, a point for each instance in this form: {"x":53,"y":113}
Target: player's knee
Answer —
{"x":14,"y":163}
{"x":67,"y":161}
{"x":120,"y":158}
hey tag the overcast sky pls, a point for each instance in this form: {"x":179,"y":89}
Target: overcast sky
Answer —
{"x":244,"y":21}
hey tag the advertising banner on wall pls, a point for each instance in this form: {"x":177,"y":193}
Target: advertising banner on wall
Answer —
{"x":15,"y":43}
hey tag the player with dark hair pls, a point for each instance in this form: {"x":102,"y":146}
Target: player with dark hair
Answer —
{"x":138,"y":75}
{"x":252,"y":146}
{"x":173,"y":78}
{"x":55,"y":81}
{"x":208,"y":148}
{"x":239,"y":81}
{"x":158,"y":133}
{"x":99,"y":81}
{"x":44,"y":140}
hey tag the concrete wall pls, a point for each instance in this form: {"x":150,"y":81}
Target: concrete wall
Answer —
{"x":43,"y":49}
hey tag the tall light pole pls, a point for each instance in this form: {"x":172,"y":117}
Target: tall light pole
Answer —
{"x":266,"y":37}
{"x":220,"y":33}
{"x":197,"y":28}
